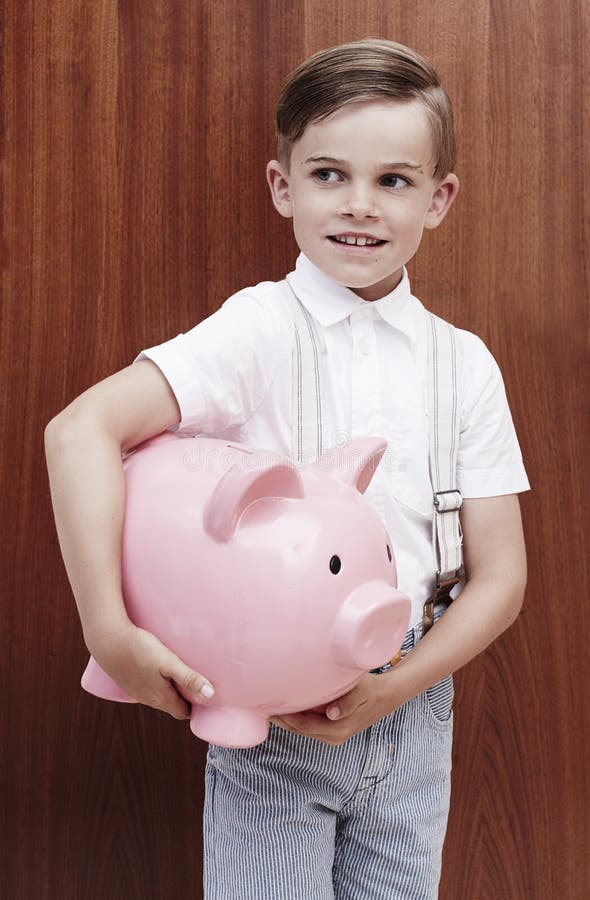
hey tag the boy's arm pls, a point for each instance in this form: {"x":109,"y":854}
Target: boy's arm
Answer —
{"x":495,"y":564}
{"x":83,"y":447}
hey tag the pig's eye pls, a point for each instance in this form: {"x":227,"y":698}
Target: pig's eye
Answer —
{"x":335,"y":565}
{"x":389,"y":556}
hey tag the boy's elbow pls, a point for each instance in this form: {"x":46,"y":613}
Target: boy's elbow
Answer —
{"x":66,"y":427}
{"x":514,"y":597}
{"x":57,"y":435}
{"x":520,"y":579}
{"x":58,"y":426}
{"x":505,"y":592}
{"x":54,"y":431}
{"x":517,"y":602}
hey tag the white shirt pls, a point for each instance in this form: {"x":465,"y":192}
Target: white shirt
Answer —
{"x":231,"y":376}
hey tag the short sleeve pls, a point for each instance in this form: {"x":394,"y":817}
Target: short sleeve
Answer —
{"x":222,"y":369}
{"x":489,"y":461}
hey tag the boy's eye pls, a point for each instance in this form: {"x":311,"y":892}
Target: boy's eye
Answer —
{"x":395,"y":181}
{"x":330,"y":176}
{"x":326,"y":175}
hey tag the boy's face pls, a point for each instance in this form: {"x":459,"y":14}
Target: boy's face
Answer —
{"x":364,"y":172}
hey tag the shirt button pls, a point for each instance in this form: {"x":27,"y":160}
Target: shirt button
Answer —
{"x":364,"y":348}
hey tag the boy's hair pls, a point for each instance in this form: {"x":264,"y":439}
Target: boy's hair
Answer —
{"x":370,"y":69}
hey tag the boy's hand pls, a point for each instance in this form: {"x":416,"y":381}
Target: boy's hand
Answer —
{"x":370,"y":700}
{"x":148,"y":671}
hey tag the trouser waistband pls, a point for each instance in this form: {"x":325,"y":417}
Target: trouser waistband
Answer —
{"x":413,"y":636}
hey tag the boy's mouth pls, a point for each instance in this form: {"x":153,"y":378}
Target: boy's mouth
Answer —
{"x":353,"y":240}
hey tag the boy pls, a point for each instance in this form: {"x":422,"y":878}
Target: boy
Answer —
{"x":352,"y":803}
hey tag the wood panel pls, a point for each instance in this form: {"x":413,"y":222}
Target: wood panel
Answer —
{"x":134,"y":139}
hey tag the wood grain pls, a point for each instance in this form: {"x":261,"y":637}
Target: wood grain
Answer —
{"x":134,"y":140}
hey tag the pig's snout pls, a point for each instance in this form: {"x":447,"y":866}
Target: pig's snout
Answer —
{"x":370,"y":626}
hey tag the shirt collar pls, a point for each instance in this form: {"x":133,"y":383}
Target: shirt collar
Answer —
{"x":330,"y":302}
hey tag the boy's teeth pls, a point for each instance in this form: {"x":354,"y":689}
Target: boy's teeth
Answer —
{"x":359,"y":241}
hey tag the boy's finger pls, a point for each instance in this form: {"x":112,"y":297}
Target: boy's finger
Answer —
{"x":304,"y":723}
{"x":343,"y":707}
{"x":192,"y":683}
{"x":174,"y":704}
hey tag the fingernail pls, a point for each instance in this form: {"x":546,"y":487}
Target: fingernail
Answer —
{"x":333,"y":712}
{"x":207,"y":691}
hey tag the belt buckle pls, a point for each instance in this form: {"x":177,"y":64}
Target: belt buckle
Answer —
{"x":388,"y":665}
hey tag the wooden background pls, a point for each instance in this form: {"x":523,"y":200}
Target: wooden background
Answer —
{"x":134,"y":139}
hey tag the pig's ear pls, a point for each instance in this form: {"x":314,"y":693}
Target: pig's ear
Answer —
{"x":354,"y":463}
{"x":238,"y":488}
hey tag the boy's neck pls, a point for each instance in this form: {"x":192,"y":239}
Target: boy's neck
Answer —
{"x":382,"y":289}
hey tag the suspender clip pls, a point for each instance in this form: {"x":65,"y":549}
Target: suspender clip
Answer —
{"x":441,"y":594}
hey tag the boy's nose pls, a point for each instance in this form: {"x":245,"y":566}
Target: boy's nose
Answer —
{"x":359,"y":202}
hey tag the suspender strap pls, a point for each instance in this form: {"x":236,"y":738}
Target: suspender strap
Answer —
{"x":307,"y":392}
{"x":443,"y":435}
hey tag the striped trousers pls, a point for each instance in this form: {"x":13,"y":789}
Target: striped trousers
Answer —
{"x":297,"y":819}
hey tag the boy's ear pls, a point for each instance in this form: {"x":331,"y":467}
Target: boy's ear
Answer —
{"x":278,"y":182}
{"x":442,"y":200}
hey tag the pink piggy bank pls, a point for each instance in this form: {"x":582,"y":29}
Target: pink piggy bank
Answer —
{"x":277,"y":583}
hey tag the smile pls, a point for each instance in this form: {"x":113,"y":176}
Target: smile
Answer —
{"x":354,"y":240}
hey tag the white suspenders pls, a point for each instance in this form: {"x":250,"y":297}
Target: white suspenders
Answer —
{"x":308,"y":443}
{"x":443,"y":434}
{"x":444,"y":414}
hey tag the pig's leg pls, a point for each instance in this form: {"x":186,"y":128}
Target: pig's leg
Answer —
{"x":229,"y":727}
{"x":97,"y":682}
